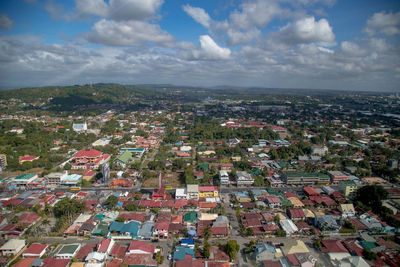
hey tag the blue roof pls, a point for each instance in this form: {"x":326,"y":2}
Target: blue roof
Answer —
{"x":122,"y":228}
{"x":181,"y":252}
{"x":187,"y":241}
{"x":242,"y":194}
{"x":192,"y":233}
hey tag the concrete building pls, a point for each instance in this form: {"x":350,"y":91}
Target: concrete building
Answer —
{"x":337,"y":176}
{"x":348,"y":188}
{"x":223,"y":178}
{"x":244,"y":179}
{"x":25,"y":179}
{"x":68,"y":251}
{"x":192,"y":191}
{"x":302,"y":178}
{"x":12,"y":247}
{"x":55,"y":178}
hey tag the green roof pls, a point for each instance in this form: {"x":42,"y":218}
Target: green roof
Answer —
{"x":305,"y":174}
{"x":368,"y":245}
{"x":190,"y":217}
{"x":101,"y":230}
{"x":25,"y":176}
{"x":348,"y":182}
{"x":125,"y":157}
{"x":68,"y":249}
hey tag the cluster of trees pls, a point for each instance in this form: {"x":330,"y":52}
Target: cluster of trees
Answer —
{"x":65,"y":211}
{"x":371,"y":197}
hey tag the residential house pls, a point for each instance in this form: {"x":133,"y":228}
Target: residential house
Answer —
{"x":273,"y":202}
{"x":192,"y":191}
{"x":337,"y":176}
{"x":140,"y":247}
{"x":12,"y":247}
{"x":35,"y":250}
{"x":180,"y":193}
{"x":68,"y":251}
{"x":244,"y":179}
{"x":223,"y":177}
{"x":124,"y":158}
{"x":347,"y":210}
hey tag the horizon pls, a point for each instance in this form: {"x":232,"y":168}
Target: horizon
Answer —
{"x":282,"y":44}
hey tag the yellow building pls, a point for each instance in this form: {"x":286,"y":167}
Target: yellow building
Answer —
{"x":348,"y":188}
{"x":296,"y":202}
{"x":208,"y":191}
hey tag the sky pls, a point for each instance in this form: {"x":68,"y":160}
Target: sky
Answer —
{"x":317,"y":44}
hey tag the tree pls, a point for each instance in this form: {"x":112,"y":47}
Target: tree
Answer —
{"x":68,"y":208}
{"x":111,"y":201}
{"x":206,"y":233}
{"x":369,"y":255}
{"x":371,"y":196}
{"x":206,"y":250}
{"x":280,"y":233}
{"x":120,"y":219}
{"x":67,"y":166}
{"x":159,"y":257}
{"x":232,"y":248}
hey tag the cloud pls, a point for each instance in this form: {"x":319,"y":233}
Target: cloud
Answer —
{"x":127,"y":33}
{"x":210,"y":50}
{"x":120,"y":9}
{"x":198,"y":14}
{"x":383,"y":23}
{"x":306,"y":30}
{"x":5,"y":22}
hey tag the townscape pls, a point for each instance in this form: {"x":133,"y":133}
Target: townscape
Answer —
{"x":110,"y":175}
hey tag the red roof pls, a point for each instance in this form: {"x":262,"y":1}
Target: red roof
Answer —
{"x":219,"y":231}
{"x":140,"y":260}
{"x":28,"y":217}
{"x":53,"y":262}
{"x":207,"y":205}
{"x":332,"y":245}
{"x":273,"y":199}
{"x":88,"y":153}
{"x":162,"y":226}
{"x":296,"y":213}
{"x":114,"y":263}
{"x":24,"y":262}
{"x":84,"y":251}
{"x":208,"y":188}
{"x":323,"y":199}
{"x":118,"y":251}
{"x":133,"y":216}
{"x":140,"y":245}
{"x":310,"y":191}
{"x":104,"y":244}
{"x":190,"y":262}
{"x":36,"y":249}
{"x":27,"y":158}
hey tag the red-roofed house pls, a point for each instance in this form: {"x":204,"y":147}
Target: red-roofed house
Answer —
{"x":323,"y":200}
{"x":24,"y":262}
{"x":296,"y":214}
{"x":161,"y":229}
{"x":53,"y":262}
{"x":190,"y":262}
{"x":27,"y":158}
{"x":105,"y":246}
{"x":118,"y":251}
{"x":84,"y":251}
{"x":36,"y":250}
{"x":140,"y":247}
{"x":310,"y":191}
{"x":333,"y":246}
{"x":140,"y":260}
{"x":88,"y":159}
{"x":159,"y":194}
{"x":273,"y":201}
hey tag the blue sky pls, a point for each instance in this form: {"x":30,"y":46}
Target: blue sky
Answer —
{"x":332,"y":44}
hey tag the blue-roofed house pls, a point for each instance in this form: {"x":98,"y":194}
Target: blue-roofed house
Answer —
{"x":187,"y":242}
{"x":180,"y":253}
{"x":127,"y":229}
{"x":265,"y":251}
{"x":146,"y":231}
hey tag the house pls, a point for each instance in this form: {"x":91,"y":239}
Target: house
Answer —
{"x":266,"y":251}
{"x":181,"y":253}
{"x":161,"y":229}
{"x":124,"y":159}
{"x":348,"y":188}
{"x":54,"y":262}
{"x":273,"y":202}
{"x":79,"y":127}
{"x":105,"y":245}
{"x":292,"y":246}
{"x":347,"y":210}
{"x":146,"y":231}
{"x":12,"y":247}
{"x":327,"y":223}
{"x":296,"y":214}
{"x":244,"y":179}
{"x":138,"y":260}
{"x":223,"y":177}
{"x":25,"y":179}
{"x":192,"y":191}
{"x":320,"y":151}
{"x":288,"y":226}
{"x":88,"y":159}
{"x":187,"y":242}
{"x":218,"y":255}
{"x":68,"y":251}
{"x":208,"y":191}
{"x":159,"y":194}
{"x":337,"y":176}
{"x":55,"y":178}
{"x":310,"y":191}
{"x":27,"y":158}
{"x":140,"y":247}
{"x":302,"y":178}
{"x":35,"y":250}
{"x":180,"y":193}
{"x":95,"y":257}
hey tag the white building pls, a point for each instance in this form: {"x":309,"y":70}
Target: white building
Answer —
{"x":79,"y":127}
{"x":55,"y":178}
{"x":288,"y":226}
{"x":192,"y":191}
{"x":244,"y":179}
{"x":223,"y":177}
{"x":180,"y":193}
{"x":12,"y":247}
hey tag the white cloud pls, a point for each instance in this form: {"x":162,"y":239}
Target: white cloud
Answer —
{"x":385,"y":23}
{"x":120,"y":9}
{"x":211,"y":50}
{"x":127,"y":33}
{"x":5,"y":22}
{"x":306,"y":30}
{"x":242,"y":37}
{"x":255,"y":13}
{"x":198,"y":14}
